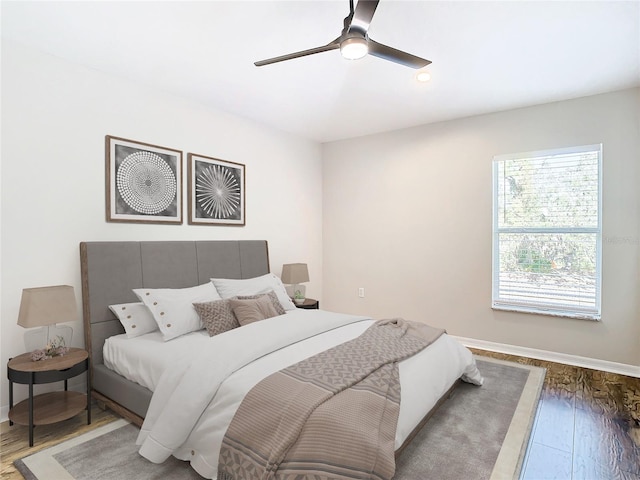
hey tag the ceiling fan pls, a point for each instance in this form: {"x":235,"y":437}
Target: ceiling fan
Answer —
{"x":354,"y":42}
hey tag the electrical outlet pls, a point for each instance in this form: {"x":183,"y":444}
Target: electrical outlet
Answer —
{"x":361,"y":292}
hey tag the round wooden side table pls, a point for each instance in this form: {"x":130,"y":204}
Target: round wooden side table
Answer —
{"x":50,"y":407}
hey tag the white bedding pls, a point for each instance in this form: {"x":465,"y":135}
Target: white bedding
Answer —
{"x":185,"y":421}
{"x":143,"y":359}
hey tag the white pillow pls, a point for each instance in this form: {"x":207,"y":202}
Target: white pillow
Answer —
{"x":228,"y":288}
{"x":172,"y":308}
{"x":135,"y":318}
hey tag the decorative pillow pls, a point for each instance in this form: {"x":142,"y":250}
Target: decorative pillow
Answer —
{"x":172,"y":308}
{"x":217,"y":316}
{"x":273,"y":298}
{"x":229,"y":288}
{"x":249,"y":311}
{"x":135,"y":318}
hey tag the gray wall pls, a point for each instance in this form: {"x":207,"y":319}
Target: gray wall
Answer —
{"x":407,"y":216}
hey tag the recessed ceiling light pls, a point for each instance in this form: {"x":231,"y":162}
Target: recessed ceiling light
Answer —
{"x":423,"y":76}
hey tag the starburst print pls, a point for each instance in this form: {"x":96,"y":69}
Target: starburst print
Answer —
{"x":218,"y":192}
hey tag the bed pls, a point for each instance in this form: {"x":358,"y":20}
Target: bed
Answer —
{"x":126,"y":379}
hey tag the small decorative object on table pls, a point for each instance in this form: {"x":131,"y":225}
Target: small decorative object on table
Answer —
{"x":55,"y":348}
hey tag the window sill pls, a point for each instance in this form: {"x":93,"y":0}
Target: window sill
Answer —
{"x":552,"y":313}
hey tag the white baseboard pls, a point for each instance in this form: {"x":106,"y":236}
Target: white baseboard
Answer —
{"x":575,"y":360}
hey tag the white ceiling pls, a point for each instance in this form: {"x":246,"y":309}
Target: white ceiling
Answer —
{"x":487,"y":56}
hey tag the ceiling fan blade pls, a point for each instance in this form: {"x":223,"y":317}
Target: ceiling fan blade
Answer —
{"x":329,"y":46}
{"x":398,"y":56}
{"x":362,"y":15}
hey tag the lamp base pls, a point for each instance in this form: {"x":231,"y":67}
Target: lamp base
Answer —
{"x":37,"y":338}
{"x":291,"y":289}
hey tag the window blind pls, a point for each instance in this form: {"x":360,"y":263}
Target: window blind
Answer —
{"x":547,"y":232}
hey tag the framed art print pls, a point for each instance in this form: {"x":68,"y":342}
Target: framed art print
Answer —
{"x":144,"y":182}
{"x":216,"y":191}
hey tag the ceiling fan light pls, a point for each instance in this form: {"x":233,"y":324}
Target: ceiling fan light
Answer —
{"x":354,"y":48}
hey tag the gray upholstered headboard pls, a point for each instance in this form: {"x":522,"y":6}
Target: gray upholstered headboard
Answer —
{"x":110,"y":270}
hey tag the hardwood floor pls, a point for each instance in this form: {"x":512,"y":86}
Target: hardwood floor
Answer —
{"x":587,"y":427}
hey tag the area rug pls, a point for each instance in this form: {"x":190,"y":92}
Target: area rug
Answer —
{"x":479,"y":432}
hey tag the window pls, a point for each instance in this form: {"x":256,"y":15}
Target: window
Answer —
{"x":547,"y":232}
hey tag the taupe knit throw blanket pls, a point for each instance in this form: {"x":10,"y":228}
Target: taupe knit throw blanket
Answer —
{"x":331,"y":416}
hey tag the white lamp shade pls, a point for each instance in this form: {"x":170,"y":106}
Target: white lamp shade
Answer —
{"x":44,"y":306}
{"x":294,"y":273}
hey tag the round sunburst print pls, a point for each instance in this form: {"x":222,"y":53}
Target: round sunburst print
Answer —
{"x":146,"y":183}
{"x":218,"y":192}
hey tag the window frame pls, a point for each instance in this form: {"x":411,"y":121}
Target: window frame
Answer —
{"x":514,"y":306}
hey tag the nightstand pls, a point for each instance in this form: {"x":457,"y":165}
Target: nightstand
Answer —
{"x":309,"y":304}
{"x":49,"y":407}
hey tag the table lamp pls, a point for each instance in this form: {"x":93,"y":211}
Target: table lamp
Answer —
{"x":44,"y":307}
{"x":295,"y":274}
